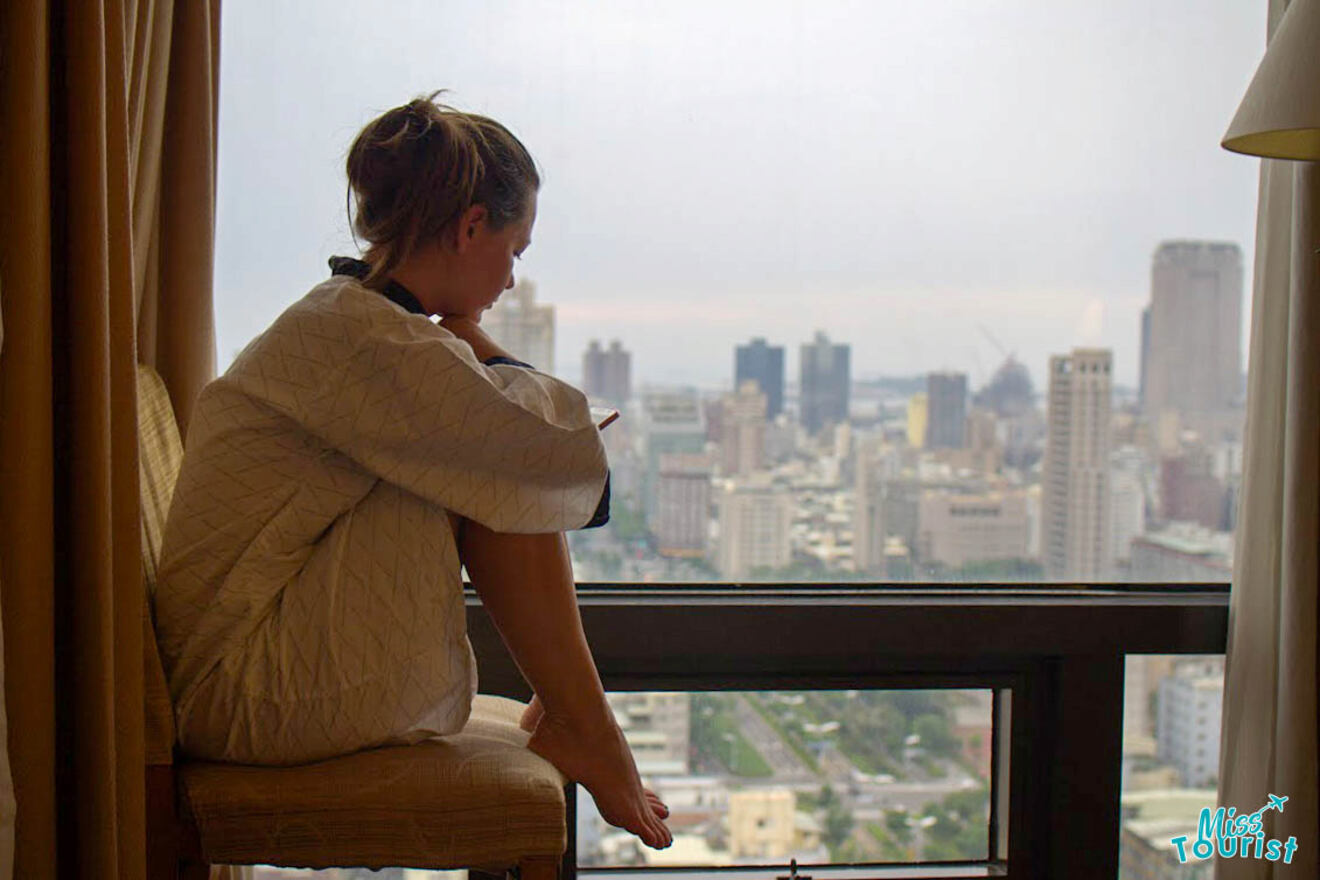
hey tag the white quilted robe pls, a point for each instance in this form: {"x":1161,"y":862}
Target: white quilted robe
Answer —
{"x":310,"y":597}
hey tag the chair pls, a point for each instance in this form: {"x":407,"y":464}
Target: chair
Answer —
{"x":478,"y":799}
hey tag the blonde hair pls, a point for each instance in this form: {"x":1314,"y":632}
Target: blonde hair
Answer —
{"x":414,"y":170}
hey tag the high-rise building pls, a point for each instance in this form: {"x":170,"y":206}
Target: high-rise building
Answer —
{"x":523,"y":327}
{"x":982,"y":451}
{"x":763,"y":364}
{"x":1076,"y":498}
{"x":946,"y":405}
{"x":742,"y":430}
{"x":876,"y":465}
{"x":682,"y":520}
{"x":1187,"y":727}
{"x":670,"y":421}
{"x":1128,"y":475}
{"x":918,"y":415}
{"x":956,"y":529}
{"x":1189,"y":489}
{"x":1144,"y":354}
{"x":755,"y":517}
{"x":607,"y":373}
{"x":825,"y":383}
{"x":1193,"y":342}
{"x":657,"y":728}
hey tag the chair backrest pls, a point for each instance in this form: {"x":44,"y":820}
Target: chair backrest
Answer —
{"x":159,"y":454}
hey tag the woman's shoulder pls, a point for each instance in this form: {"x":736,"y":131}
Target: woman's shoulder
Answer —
{"x":326,"y":323}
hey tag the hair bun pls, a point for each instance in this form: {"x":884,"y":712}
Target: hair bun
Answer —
{"x":415,"y":169}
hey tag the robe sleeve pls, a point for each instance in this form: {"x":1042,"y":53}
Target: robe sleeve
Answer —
{"x":509,"y":447}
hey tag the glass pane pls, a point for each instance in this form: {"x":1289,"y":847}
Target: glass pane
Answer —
{"x":846,"y":346}
{"x":1171,"y":723}
{"x":817,"y":776}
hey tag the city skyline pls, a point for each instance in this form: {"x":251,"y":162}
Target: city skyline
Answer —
{"x":811,"y":175}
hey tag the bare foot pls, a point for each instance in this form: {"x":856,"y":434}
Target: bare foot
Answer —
{"x":531,"y":716}
{"x":599,"y":759}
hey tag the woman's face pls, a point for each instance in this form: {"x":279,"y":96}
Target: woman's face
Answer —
{"x":486,"y":262}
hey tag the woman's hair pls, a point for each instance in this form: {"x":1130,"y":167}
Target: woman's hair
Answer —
{"x":414,"y":170}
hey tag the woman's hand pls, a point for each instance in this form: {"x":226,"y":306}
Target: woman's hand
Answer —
{"x":466,"y":328}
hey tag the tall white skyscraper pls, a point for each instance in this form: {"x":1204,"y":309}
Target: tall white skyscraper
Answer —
{"x":1192,"y":342}
{"x":1076,"y":497}
{"x":523,"y":327}
{"x":742,"y":430}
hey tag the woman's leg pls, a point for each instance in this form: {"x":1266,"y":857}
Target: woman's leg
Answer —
{"x":526,"y":584}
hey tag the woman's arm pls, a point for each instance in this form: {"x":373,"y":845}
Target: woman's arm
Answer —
{"x":468,"y":330}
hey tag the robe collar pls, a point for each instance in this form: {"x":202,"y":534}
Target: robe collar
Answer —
{"x":392,"y":291}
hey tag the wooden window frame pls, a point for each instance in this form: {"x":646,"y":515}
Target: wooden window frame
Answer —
{"x":1056,"y":651}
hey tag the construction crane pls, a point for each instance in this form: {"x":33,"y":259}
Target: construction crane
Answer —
{"x":1008,"y":355}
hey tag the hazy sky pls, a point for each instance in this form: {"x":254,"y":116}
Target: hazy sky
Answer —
{"x":893,"y":173}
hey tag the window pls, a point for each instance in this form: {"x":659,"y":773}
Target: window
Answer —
{"x":847,"y":776}
{"x":1098,"y":215}
{"x":961,"y":251}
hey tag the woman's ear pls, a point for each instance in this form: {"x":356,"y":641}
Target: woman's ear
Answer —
{"x":469,"y":224}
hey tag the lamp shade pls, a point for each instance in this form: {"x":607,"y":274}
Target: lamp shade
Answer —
{"x":1279,"y":117}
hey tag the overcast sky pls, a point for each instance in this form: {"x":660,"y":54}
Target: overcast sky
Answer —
{"x":896,"y":174}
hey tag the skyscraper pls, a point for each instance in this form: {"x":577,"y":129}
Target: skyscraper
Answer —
{"x":607,"y":373}
{"x":918,"y":416}
{"x":1145,"y":354}
{"x":682,"y":519}
{"x":1076,"y":504}
{"x":1193,"y":344}
{"x":1190,"y":705}
{"x":755,"y":518}
{"x":763,"y":364}
{"x":826,"y":378}
{"x":669,"y":421}
{"x":522,"y":327}
{"x":946,"y":406}
{"x":742,"y":430}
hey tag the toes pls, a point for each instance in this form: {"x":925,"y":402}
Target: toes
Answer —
{"x":653,"y":832}
{"x":657,"y":806}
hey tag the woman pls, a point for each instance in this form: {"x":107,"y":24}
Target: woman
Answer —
{"x":355,"y":455}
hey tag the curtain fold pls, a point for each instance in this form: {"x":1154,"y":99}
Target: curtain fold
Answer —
{"x":1271,"y":734}
{"x":108,"y":168}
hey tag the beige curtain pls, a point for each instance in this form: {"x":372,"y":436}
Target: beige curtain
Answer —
{"x":1270,"y":733}
{"x":107,"y":166}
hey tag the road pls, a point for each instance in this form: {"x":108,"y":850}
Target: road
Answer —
{"x":788,"y":767}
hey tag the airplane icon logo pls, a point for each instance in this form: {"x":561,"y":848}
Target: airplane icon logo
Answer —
{"x":1276,"y":803}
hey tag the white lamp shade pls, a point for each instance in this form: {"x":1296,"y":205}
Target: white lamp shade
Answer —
{"x":1279,"y":117}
